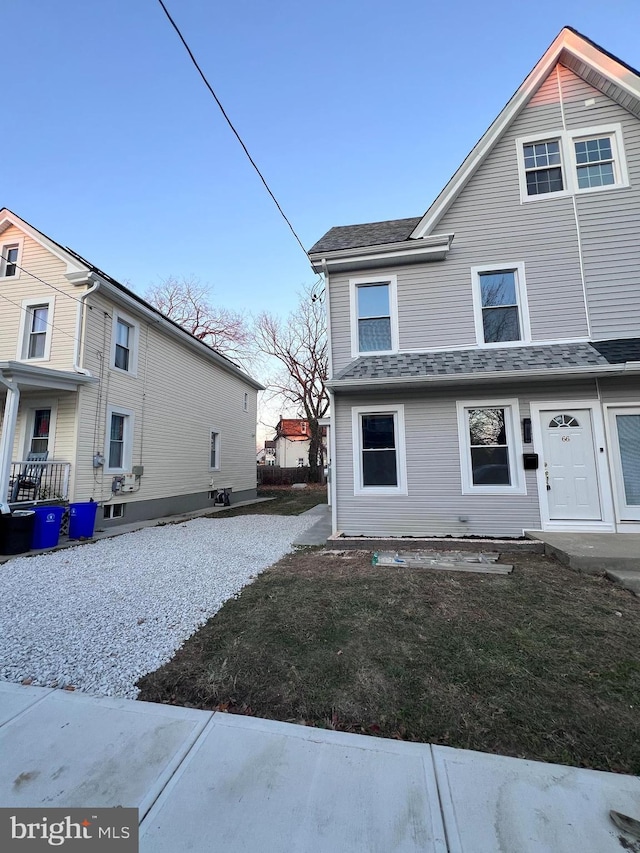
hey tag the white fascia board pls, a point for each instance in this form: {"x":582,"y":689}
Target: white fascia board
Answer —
{"x":337,"y":385}
{"x":436,"y":245}
{"x":144,"y":310}
{"x":565,"y":41}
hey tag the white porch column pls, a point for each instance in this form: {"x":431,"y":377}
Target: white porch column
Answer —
{"x":6,"y":440}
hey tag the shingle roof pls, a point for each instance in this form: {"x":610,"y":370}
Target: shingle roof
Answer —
{"x":367,"y":234}
{"x":619,"y":351}
{"x":508,"y":359}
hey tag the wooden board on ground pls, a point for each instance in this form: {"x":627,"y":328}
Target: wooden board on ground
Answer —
{"x":450,"y":561}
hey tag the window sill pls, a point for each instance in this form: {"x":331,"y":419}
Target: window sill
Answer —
{"x":385,"y":491}
{"x":131,"y":373}
{"x":494,"y":490}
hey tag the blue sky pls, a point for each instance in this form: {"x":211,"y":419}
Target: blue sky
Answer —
{"x":354,"y":111}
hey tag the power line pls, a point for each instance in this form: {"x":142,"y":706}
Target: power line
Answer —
{"x":229,"y":122}
{"x":41,"y":280}
{"x":28,"y":311}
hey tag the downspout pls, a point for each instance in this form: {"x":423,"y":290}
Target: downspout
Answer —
{"x":79,"y":328}
{"x":6,"y":440}
{"x":332,"y":431}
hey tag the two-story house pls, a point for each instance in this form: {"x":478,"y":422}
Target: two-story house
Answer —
{"x":105,"y":398}
{"x":485,"y":357}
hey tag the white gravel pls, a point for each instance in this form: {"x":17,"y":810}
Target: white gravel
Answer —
{"x":99,"y":616}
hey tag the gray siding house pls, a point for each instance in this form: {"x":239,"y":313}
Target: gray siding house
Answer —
{"x":485,"y":357}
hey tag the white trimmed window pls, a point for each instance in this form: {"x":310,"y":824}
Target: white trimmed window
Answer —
{"x":36,"y":324}
{"x":245,"y":402}
{"x":374,"y":318}
{"x":124,"y":343}
{"x":10,"y":253}
{"x":113,"y":511}
{"x":379,"y":464}
{"x":500,"y":304}
{"x":214,"y":450}
{"x":572,"y":162}
{"x":119,"y":439}
{"x":490,"y":447}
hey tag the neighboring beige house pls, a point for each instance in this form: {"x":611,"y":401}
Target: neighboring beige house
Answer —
{"x":486,"y":356}
{"x":105,"y":398}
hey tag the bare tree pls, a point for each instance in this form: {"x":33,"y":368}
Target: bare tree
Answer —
{"x":187,"y":302}
{"x":300,"y":345}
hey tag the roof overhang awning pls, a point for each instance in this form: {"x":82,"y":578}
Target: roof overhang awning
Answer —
{"x":29,"y":376}
{"x":394,"y":383}
{"x":432,"y":248}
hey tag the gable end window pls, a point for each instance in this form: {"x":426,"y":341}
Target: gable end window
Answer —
{"x":572,"y":162}
{"x":379,"y":451}
{"x":490,"y":447}
{"x":124,"y":343}
{"x":9,"y":260}
{"x":500,"y":303}
{"x":373,"y":316}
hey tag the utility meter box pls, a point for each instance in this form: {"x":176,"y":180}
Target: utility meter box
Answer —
{"x":128,"y":483}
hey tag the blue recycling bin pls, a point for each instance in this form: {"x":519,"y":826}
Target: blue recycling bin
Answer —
{"x":82,"y":520}
{"x":46,"y":527}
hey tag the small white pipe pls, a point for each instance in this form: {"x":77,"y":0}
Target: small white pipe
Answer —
{"x":6,"y":440}
{"x":79,"y":328}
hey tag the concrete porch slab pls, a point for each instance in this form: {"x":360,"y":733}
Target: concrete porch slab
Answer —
{"x":258,"y":785}
{"x":493,"y":803}
{"x":592,"y":552}
{"x":70,"y":749}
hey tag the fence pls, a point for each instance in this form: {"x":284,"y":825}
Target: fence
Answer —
{"x":271,"y":475}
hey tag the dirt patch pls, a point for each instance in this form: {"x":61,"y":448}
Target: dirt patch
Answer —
{"x":541,"y":664}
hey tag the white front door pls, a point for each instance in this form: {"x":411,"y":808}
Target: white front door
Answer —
{"x":625,"y":430}
{"x":570,"y":473}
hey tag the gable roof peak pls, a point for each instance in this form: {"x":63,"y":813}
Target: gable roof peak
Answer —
{"x":582,"y":56}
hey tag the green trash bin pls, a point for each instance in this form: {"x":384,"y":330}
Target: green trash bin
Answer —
{"x":16,"y":531}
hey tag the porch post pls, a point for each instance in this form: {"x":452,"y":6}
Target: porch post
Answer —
{"x":6,"y":440}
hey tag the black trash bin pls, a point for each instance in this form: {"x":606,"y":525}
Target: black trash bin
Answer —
{"x":16,"y":531}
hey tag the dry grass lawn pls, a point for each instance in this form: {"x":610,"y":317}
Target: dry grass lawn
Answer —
{"x":541,"y":664}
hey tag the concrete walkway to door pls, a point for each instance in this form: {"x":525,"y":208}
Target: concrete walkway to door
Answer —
{"x":615,"y":554}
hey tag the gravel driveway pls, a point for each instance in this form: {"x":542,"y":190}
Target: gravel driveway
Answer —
{"x":98,"y":616}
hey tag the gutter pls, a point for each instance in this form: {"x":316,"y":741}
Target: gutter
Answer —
{"x":628,"y":368}
{"x":79,"y":328}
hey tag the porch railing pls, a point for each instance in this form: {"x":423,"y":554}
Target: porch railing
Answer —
{"x":32,"y":482}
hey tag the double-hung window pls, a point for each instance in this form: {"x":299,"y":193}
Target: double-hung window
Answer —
{"x":379,"y":450}
{"x":35,"y":332}
{"x":490,"y":447}
{"x":124,"y":348}
{"x":214,"y":450}
{"x":119,"y":439}
{"x":500,"y":303}
{"x":373,"y":315}
{"x":9,"y":260}
{"x":572,"y":162}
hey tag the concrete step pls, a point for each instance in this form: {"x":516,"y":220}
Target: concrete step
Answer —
{"x":627,"y":578}
{"x":593,"y":553}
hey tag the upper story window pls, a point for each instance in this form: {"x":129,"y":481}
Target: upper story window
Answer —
{"x":572,"y":162}
{"x":374,"y":325}
{"x":9,"y":260}
{"x":35,"y":332}
{"x":500,"y":302}
{"x":124,"y":347}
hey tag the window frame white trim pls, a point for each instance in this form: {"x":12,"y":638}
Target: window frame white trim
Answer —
{"x":622,"y":516}
{"x":10,"y":244}
{"x":26,"y":427}
{"x":512,"y":422}
{"x":218,"y":433}
{"x":134,"y":325}
{"x":127,"y":448}
{"x":569,"y":165}
{"x":24,"y":332}
{"x":354,"y":284}
{"x":397,"y":410}
{"x":523,"y":304}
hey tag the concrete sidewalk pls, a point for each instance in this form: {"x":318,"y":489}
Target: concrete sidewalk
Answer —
{"x":207,"y":781}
